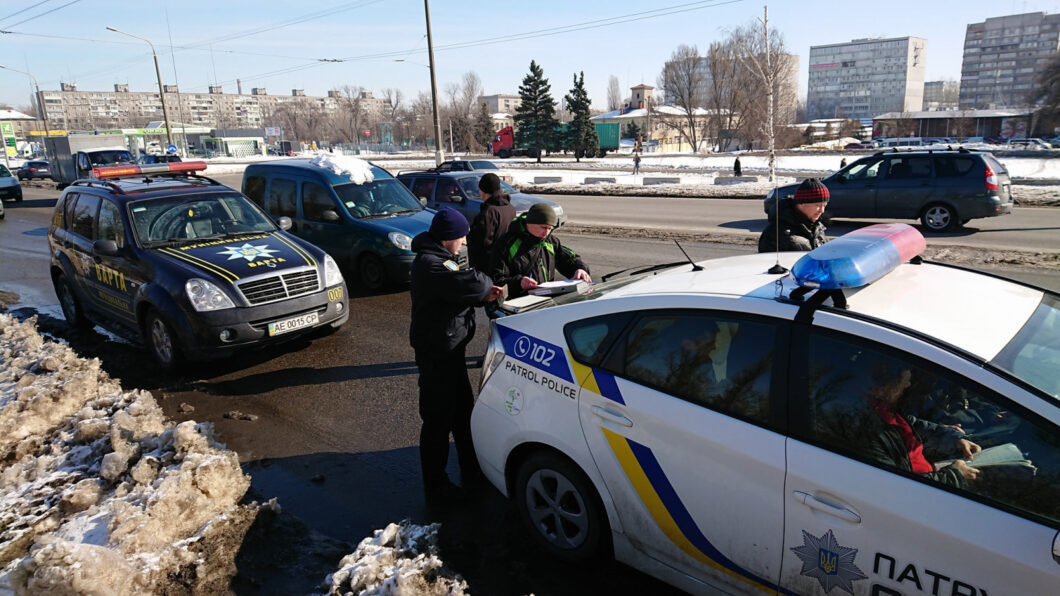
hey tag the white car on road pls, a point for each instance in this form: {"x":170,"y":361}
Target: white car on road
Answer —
{"x":867,"y":424}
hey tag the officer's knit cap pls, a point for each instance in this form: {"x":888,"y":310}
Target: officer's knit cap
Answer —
{"x":448,"y":224}
{"x":811,"y":191}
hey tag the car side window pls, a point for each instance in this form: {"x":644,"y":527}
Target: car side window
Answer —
{"x":85,"y":215}
{"x":448,"y":191}
{"x":423,"y":187}
{"x":714,"y":360}
{"x":282,"y":198}
{"x":315,"y":200}
{"x":254,"y":188}
{"x":864,"y":170}
{"x":909,"y":167}
{"x":909,"y":416}
{"x":953,"y":166}
{"x":110,"y":224}
{"x":60,"y":209}
{"x":590,"y":339}
{"x":71,"y":201}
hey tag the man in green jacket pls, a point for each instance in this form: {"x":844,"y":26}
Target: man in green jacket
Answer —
{"x":528,"y":254}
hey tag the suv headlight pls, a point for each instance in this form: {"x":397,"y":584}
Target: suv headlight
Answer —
{"x":400,"y":240}
{"x":332,"y":275}
{"x":205,"y":296}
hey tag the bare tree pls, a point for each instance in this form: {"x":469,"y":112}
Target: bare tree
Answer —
{"x":393,"y":99}
{"x":348,"y":121}
{"x":682,"y":83}
{"x":614,"y":94}
{"x":730,"y":87}
{"x":302,"y":120}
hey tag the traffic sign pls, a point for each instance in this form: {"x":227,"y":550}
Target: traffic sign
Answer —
{"x":172,"y":149}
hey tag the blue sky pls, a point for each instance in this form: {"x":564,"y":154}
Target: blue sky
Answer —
{"x":279,"y":44}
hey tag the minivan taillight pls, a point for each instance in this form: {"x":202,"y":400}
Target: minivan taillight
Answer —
{"x":991,"y":179}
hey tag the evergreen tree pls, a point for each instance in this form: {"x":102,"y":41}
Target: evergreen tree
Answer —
{"x":582,"y":138}
{"x":535,"y":117}
{"x":482,"y":126}
{"x":631,"y":131}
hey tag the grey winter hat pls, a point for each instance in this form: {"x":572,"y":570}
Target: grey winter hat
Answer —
{"x":542,"y":213}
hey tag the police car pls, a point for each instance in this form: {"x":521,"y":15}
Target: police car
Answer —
{"x":725,"y":428}
{"x":189,"y":266}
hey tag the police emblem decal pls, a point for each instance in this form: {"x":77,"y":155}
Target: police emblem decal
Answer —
{"x":829,"y":563}
{"x":513,"y":401}
{"x":248,"y":252}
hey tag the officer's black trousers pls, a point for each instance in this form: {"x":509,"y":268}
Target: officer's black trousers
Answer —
{"x":445,"y":407}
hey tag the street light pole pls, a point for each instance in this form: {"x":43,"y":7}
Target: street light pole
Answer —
{"x":40,"y":105}
{"x":158,"y":73}
{"x":439,"y":154}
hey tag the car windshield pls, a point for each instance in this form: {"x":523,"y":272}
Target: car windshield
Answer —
{"x":379,"y":198}
{"x":470,"y":186}
{"x":3,"y":172}
{"x":175,"y":219}
{"x":863,"y":169}
{"x":480,"y":164}
{"x":111,"y":158}
{"x":1033,"y":355}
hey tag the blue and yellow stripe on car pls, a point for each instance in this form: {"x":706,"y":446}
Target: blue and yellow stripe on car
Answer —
{"x":596,"y":380}
{"x":670,"y":514}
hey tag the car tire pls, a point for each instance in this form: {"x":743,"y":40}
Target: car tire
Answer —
{"x":939,"y":217}
{"x":560,"y":507}
{"x":372,"y":272}
{"x":70,"y":304}
{"x":161,"y":341}
{"x":504,"y":154}
{"x":18,"y":197}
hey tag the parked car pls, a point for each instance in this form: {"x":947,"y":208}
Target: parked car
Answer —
{"x":459,"y":190}
{"x":944,"y":189}
{"x":854,"y":146}
{"x":473,"y":165}
{"x":186,"y":265}
{"x":1029,"y":143}
{"x":152,"y":158}
{"x":10,"y":188}
{"x":357,"y":212}
{"x":731,"y":430}
{"x":33,"y":169}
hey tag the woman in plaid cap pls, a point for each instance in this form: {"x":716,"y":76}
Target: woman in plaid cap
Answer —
{"x":795,"y":223}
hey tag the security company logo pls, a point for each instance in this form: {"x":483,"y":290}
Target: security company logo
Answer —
{"x":829,"y":563}
{"x":248,"y":252}
{"x":513,"y":402}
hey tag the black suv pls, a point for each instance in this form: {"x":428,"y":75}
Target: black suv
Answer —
{"x":943,"y":189}
{"x":190,"y":267}
{"x":31,"y":170}
{"x":459,"y":190}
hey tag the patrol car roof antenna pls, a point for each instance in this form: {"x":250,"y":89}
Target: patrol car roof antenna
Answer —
{"x":777,"y":268}
{"x":694,"y":266}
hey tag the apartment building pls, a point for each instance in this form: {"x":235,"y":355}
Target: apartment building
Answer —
{"x":1002,"y":56}
{"x":501,"y":104}
{"x":71,"y":109}
{"x":941,"y":95}
{"x":865,"y":77}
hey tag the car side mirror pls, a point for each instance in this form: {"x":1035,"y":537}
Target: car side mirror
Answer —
{"x":329,"y":215}
{"x":841,"y":177}
{"x":285,"y":223}
{"x":107,"y":248}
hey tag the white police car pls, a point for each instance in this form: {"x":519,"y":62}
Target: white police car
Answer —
{"x":725,"y":428}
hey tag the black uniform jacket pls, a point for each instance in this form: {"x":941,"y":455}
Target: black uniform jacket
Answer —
{"x":518,"y":254}
{"x":490,"y":224}
{"x":797,"y":232}
{"x":443,"y":298}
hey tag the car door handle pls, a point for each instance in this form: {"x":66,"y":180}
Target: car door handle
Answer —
{"x":835,"y":510}
{"x":612,"y":416}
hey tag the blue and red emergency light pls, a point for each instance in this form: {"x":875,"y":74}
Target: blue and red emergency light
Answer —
{"x":858,"y":258}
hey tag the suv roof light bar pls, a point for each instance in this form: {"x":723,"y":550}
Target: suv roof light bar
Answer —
{"x":858,"y":258}
{"x":134,"y":170}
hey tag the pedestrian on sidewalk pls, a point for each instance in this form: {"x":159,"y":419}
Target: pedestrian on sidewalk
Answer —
{"x":636,"y":163}
{"x":737,"y":170}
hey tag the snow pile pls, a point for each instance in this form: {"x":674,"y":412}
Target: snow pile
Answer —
{"x":99,"y":493}
{"x":399,"y":559}
{"x":357,"y":169}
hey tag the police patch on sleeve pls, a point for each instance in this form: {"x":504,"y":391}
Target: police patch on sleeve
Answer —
{"x":452,"y":266}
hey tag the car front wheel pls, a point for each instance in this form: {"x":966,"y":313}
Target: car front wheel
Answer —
{"x":161,"y":341}
{"x":939,"y":218}
{"x":560,"y":507}
{"x":372,"y":272}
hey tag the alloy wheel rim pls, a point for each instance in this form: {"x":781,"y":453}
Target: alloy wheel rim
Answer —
{"x":161,"y":340}
{"x":557,"y":509}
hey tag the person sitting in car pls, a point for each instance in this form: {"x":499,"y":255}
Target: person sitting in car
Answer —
{"x":795,"y":223}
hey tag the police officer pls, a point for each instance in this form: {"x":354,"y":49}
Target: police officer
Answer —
{"x":444,"y":297}
{"x":528,"y":254}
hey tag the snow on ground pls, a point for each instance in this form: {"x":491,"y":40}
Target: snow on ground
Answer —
{"x":101,"y":494}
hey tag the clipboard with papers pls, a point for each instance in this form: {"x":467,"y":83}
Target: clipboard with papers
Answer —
{"x":555,"y":288}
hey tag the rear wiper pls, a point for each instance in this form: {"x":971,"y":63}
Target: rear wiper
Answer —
{"x":644,"y":270}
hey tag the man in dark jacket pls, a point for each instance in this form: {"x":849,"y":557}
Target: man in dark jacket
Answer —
{"x":528,"y":254}
{"x":491,"y":222}
{"x":444,"y":297}
{"x":794,"y":224}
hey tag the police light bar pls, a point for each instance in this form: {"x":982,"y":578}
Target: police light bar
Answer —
{"x":133,"y":170}
{"x":859,"y":257}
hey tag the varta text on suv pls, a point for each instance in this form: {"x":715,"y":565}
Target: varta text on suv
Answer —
{"x":186,"y":264}
{"x":943,"y":189}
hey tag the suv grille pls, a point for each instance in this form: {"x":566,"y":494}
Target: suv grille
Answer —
{"x":263,"y":290}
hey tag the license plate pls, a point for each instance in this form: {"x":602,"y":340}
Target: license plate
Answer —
{"x":293,"y":323}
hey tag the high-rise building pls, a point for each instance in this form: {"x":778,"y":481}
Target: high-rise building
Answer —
{"x":866,"y":77}
{"x":941,"y":95}
{"x":500,"y":103}
{"x":1002,"y":56}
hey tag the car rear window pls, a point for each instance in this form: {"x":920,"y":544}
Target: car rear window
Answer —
{"x":994,"y":164}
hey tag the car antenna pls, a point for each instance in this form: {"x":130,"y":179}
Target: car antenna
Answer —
{"x":777,"y":268}
{"x":694,"y":266}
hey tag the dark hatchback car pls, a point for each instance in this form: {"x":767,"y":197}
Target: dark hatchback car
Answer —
{"x":151,"y":159}
{"x":943,"y":189}
{"x":32,"y":170}
{"x":186,"y":265}
{"x":459,"y":190}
